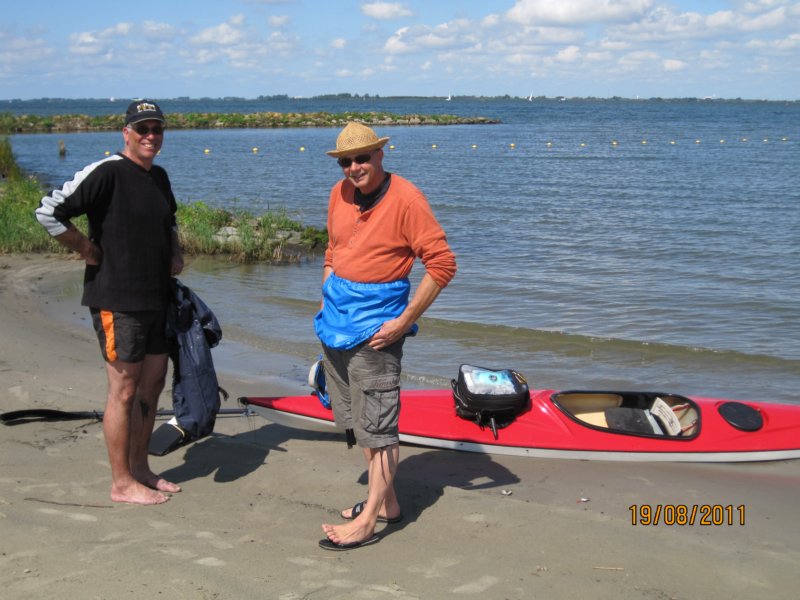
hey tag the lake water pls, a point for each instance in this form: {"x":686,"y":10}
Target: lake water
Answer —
{"x":601,"y":244}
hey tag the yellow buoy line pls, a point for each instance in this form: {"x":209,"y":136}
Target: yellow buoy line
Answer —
{"x":549,"y":144}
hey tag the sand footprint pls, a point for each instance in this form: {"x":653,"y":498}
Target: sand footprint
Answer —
{"x":178,"y":553}
{"x":74,"y":516}
{"x":478,"y":586}
{"x":210,"y":561}
{"x":213,"y":540}
{"x":438,"y":568}
{"x":161,"y":525}
{"x":475,"y":518}
{"x":314,"y":574}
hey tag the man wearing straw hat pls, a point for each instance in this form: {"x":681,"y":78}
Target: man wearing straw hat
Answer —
{"x":378,"y":225}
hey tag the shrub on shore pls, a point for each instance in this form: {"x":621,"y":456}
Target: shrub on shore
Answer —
{"x":271,"y":237}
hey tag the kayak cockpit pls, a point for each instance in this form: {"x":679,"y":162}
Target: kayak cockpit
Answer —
{"x":647,"y":414}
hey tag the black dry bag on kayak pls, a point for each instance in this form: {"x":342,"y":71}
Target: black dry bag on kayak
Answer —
{"x":490,"y":397}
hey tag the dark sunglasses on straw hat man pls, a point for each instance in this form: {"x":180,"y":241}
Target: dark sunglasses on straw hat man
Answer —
{"x":358,"y":141}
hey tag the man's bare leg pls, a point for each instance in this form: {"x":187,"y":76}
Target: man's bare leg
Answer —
{"x":390,"y":507}
{"x":151,"y":384}
{"x":123,"y":378}
{"x":381,"y":469}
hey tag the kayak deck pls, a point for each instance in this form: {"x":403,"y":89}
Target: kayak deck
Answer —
{"x":576,"y":424}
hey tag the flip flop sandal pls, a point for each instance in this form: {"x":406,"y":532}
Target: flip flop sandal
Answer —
{"x":358,"y":508}
{"x":327,"y":544}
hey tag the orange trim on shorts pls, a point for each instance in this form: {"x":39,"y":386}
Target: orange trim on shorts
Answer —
{"x":107,"y":319}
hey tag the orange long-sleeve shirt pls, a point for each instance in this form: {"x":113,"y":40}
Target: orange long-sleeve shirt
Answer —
{"x":381,"y":244}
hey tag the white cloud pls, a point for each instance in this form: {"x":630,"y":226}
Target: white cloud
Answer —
{"x":670,"y":64}
{"x":388,"y":65}
{"x":518,"y":59}
{"x":663,"y":24}
{"x":397,"y":43}
{"x":15,"y":51}
{"x":641,"y":59}
{"x":759,"y":5}
{"x":574,"y":12}
{"x":421,"y":38}
{"x":598,"y":56}
{"x":159,"y":31}
{"x":118,"y":29}
{"x":613,"y":45}
{"x":202,"y":56}
{"x":385,"y":10}
{"x":87,"y":43}
{"x":279,"y":42}
{"x":641,"y":56}
{"x":568,"y":54}
{"x":279,"y":21}
{"x":555,"y":35}
{"x":769,"y":20}
{"x":339,"y":43}
{"x":727,"y":18}
{"x":224,"y":34}
{"x":788,"y":43}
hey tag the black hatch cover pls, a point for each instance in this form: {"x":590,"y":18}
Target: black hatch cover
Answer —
{"x":741,"y":416}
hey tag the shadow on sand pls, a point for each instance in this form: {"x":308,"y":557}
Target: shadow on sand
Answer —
{"x":422,"y":477}
{"x":208,"y":456}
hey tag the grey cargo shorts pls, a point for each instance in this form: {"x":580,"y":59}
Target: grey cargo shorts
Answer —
{"x":364,"y":386}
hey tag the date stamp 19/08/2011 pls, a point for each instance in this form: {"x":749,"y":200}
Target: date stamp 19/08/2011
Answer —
{"x":704,"y":515}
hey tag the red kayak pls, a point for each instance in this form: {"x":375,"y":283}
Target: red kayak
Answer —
{"x":587,"y":425}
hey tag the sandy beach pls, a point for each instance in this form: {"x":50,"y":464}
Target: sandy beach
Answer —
{"x":255,"y":493}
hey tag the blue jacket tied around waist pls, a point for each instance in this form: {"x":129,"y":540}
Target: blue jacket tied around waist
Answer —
{"x":352,"y":312}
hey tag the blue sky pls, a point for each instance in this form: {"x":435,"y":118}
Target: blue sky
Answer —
{"x":248,"y":48}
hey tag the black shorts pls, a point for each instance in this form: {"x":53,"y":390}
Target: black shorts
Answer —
{"x":128,"y":336}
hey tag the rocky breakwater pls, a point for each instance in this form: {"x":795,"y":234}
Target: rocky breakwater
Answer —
{"x":10,"y":124}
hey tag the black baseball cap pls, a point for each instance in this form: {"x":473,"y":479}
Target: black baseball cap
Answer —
{"x":143,"y":110}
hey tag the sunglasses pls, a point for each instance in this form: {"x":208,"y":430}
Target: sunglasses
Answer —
{"x":143,"y":129}
{"x":359,"y":160}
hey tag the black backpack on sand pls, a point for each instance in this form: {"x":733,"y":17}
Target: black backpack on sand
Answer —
{"x":490,"y":397}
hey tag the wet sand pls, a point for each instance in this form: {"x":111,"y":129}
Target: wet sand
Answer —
{"x":248,"y":521}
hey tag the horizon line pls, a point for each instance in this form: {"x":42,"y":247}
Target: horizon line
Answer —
{"x":366,"y":96}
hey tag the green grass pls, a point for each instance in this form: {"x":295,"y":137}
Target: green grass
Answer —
{"x":266,"y":238}
{"x":8,"y":166}
{"x":19,"y":197}
{"x":19,"y":229}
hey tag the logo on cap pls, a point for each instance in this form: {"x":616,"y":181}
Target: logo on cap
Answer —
{"x":146,"y":107}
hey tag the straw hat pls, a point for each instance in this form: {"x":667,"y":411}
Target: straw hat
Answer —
{"x":356,"y":138}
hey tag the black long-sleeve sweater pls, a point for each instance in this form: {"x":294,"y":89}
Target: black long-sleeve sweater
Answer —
{"x":131,"y":213}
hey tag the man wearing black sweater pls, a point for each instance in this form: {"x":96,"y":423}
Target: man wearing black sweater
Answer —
{"x":131,"y":252}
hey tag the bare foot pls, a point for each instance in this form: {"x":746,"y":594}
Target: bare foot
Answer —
{"x":156,"y":482}
{"x":137,"y":494}
{"x":162,"y":485}
{"x":347,"y":533}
